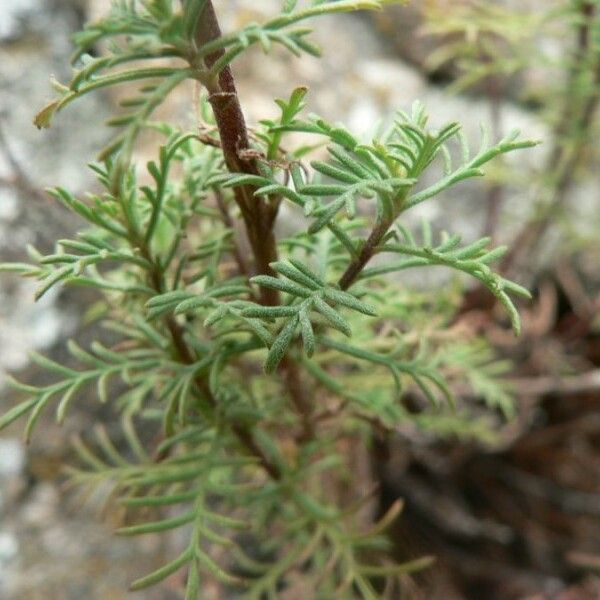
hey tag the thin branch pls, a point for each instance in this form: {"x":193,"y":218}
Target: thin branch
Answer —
{"x":186,"y":356}
{"x":576,"y":120}
{"x":573,"y":384}
{"x":238,"y":254}
{"x":259,"y":216}
{"x":496,"y":192}
{"x":367,"y":252}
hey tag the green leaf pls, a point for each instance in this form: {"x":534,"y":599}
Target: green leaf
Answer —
{"x":192,"y":588}
{"x":308,"y":335}
{"x":158,"y":526}
{"x":193,"y":10}
{"x":164,"y":572}
{"x":289,"y":5}
{"x":17,"y":412}
{"x":332,"y":316}
{"x":472,"y":259}
{"x":350,"y":301}
{"x":300,"y":276}
{"x":269,"y":312}
{"x":281,"y":285}
{"x":402,"y":569}
{"x":280,"y":345}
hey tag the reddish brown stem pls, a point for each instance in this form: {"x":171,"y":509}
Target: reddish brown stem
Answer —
{"x":366,"y":254}
{"x":186,"y":356}
{"x":242,"y":433}
{"x":259,"y":215}
{"x":299,"y":398}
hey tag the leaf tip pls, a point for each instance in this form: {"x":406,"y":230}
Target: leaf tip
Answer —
{"x":43,"y":119}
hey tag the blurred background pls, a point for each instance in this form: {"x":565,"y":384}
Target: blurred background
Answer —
{"x":518,"y":519}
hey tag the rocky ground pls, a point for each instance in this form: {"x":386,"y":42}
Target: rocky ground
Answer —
{"x":50,"y":548}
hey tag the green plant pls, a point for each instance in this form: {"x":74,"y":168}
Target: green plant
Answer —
{"x":491,"y":44}
{"x":259,"y":372}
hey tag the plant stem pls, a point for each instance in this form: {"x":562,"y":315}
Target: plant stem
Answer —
{"x":575,"y":123}
{"x":367,"y":252}
{"x":496,"y":192}
{"x":242,"y":433}
{"x":301,"y":401}
{"x":238,"y":253}
{"x":259,"y":216}
{"x":186,"y":356}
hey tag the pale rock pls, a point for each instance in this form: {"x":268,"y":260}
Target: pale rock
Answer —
{"x":12,"y":15}
{"x":43,"y":506}
{"x":12,"y":457}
